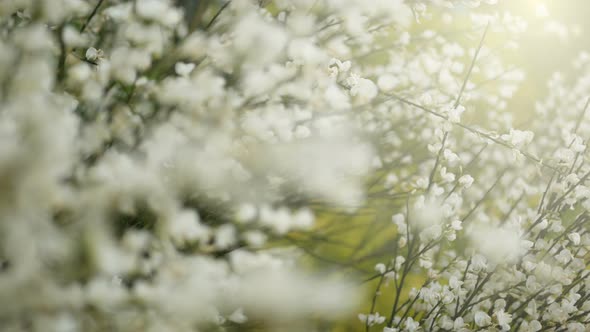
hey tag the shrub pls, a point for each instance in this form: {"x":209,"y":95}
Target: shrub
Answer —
{"x":164,"y":165}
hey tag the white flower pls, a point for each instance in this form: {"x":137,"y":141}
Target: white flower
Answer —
{"x":341,"y":66}
{"x":574,"y":237}
{"x":543,"y":271}
{"x":478,"y":262}
{"x":402,"y":241}
{"x":425,"y":263}
{"x":371,"y":319}
{"x":466,"y":181}
{"x":451,"y":157}
{"x":92,"y":54}
{"x":459,"y":323}
{"x":528,"y":265}
{"x":303,"y":219}
{"x":455,"y":283}
{"x":446,"y":176}
{"x":184,"y":69}
{"x":535,"y":326}
{"x":431,"y":233}
{"x":365,"y":90}
{"x":518,"y":138}
{"x":399,"y":260}
{"x":457,"y":225}
{"x":411,"y":325}
{"x":390,"y":275}
{"x":380,"y":267}
{"x":399,"y":220}
{"x":454,"y":113}
{"x":565,"y":155}
{"x":503,"y":319}
{"x":564,"y":256}
{"x":363,"y":318}
{"x":482,"y":319}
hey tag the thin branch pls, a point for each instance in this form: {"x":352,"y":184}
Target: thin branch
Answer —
{"x":217,"y":15}
{"x":92,"y":14}
{"x":458,"y":100}
{"x":477,"y":132}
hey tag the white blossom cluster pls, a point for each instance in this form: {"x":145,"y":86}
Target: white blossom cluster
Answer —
{"x":162,"y":167}
{"x":490,"y":230}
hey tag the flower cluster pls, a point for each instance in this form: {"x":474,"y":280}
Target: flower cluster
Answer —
{"x":490,"y":229}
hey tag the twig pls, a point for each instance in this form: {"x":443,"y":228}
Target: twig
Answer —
{"x":92,"y":14}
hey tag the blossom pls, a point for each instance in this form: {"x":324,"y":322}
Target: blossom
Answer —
{"x":574,"y":237}
{"x":93,"y":54}
{"x":411,"y":325}
{"x":482,"y":319}
{"x":466,"y":180}
{"x":184,"y":69}
{"x":504,"y":319}
{"x":371,"y":319}
{"x":518,"y":138}
{"x":380,"y":267}
{"x":454,"y":113}
{"x":364,"y":89}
